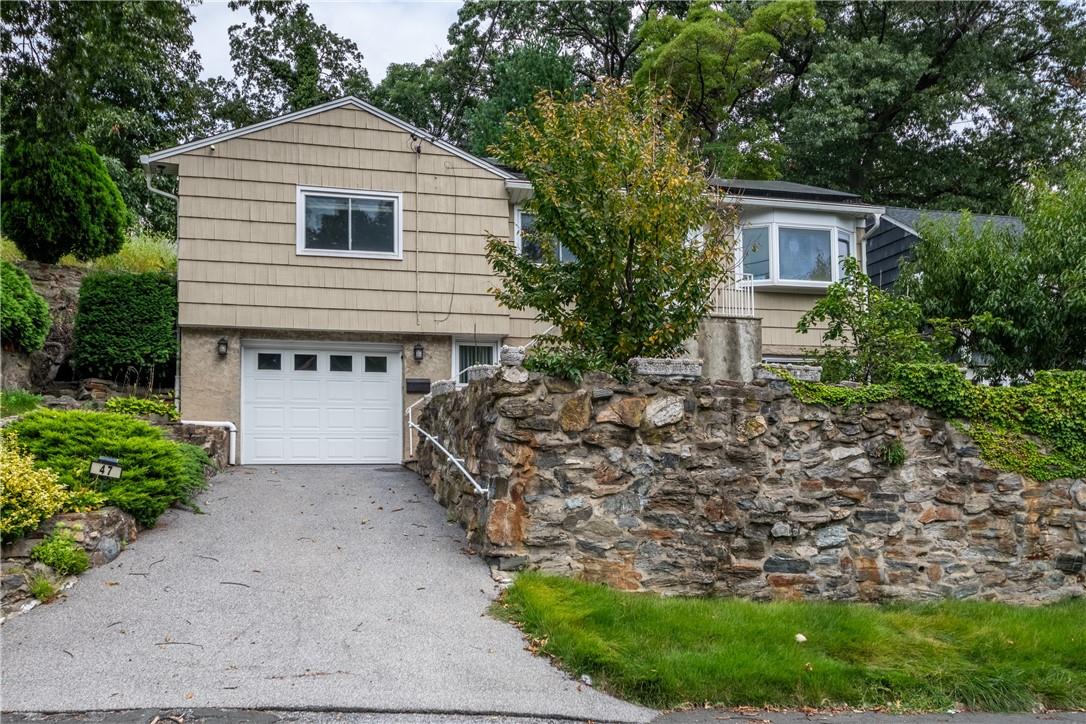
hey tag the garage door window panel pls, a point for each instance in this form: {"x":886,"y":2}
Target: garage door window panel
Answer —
{"x":340,"y":363}
{"x":305,"y":363}
{"x":269,"y":361}
{"x":376,"y":364}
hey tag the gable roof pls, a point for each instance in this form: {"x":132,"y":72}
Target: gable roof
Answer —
{"x":346,"y":102}
{"x":909,"y":219}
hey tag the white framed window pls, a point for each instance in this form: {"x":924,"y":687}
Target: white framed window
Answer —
{"x":794,"y":255}
{"x":349,"y":222}
{"x":525,"y":222}
{"x":469,"y":353}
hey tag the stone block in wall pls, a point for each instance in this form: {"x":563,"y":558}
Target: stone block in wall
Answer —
{"x":666,"y":367}
{"x":511,"y":356}
{"x":805,"y":373}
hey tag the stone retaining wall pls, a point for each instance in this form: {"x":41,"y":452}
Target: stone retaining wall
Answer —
{"x":681,"y":485}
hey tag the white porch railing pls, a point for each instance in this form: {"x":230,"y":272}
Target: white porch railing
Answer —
{"x":734,"y":297}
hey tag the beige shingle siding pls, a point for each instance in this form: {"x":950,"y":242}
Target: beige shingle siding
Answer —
{"x":238,"y":264}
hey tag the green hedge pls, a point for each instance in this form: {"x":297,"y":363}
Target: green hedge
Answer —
{"x":125,"y":320}
{"x":24,"y":315}
{"x":60,"y":199}
{"x":157,"y":472}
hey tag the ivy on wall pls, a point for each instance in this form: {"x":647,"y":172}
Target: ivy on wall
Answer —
{"x":1037,"y":429}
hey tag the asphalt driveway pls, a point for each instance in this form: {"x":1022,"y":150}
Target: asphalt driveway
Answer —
{"x":300,"y":587}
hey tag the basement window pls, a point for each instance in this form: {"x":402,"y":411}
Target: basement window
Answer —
{"x":346,"y":222}
{"x":470,"y":354}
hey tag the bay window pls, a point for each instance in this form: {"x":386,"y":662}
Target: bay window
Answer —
{"x":794,"y":255}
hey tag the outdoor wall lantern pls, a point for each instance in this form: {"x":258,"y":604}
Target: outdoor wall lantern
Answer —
{"x":419,"y":352}
{"x":222,"y":346}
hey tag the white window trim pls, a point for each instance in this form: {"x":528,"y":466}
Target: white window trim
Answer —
{"x":457,"y":343}
{"x":304,"y":191}
{"x":775,"y":279}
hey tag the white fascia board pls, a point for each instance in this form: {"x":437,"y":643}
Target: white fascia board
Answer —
{"x":347,"y":101}
{"x":856,"y":210}
{"x":903,"y":226}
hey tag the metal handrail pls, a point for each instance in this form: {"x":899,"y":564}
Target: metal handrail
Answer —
{"x":458,"y":462}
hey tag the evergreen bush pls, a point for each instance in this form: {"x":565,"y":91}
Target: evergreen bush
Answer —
{"x":24,"y":314}
{"x":59,"y":199}
{"x":125,"y":320}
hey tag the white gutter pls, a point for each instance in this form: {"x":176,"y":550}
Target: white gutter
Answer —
{"x":229,"y":426}
{"x":160,"y":192}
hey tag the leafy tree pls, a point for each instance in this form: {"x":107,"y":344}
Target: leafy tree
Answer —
{"x":518,"y":77}
{"x":937,"y":105}
{"x":619,"y":198}
{"x":285,"y":61}
{"x":713,"y":63}
{"x":431,"y":95}
{"x":1022,"y":298}
{"x":120,"y":76}
{"x":59,"y":199}
{"x":868,"y":333}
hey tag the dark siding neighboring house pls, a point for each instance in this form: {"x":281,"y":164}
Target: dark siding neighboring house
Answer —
{"x":890,"y":242}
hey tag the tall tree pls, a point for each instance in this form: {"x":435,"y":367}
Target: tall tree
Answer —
{"x":517,"y":78}
{"x":947,"y":104}
{"x":619,"y":198}
{"x":714,"y":64}
{"x":120,"y":76}
{"x":284,"y":60}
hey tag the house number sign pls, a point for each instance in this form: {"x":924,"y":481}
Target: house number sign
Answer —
{"x":105,"y":467}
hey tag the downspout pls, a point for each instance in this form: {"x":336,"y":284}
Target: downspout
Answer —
{"x":228,"y":426}
{"x":177,"y":219}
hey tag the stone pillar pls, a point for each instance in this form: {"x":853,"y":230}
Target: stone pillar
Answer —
{"x":729,"y":347}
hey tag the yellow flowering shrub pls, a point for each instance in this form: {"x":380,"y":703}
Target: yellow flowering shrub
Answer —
{"x":28,"y":495}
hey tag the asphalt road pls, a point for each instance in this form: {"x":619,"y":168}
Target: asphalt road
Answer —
{"x":299,"y":588}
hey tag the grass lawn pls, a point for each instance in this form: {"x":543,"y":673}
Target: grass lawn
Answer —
{"x":16,"y":402}
{"x":664,"y":652}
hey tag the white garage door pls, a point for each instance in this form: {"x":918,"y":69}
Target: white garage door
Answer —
{"x":320,"y":406}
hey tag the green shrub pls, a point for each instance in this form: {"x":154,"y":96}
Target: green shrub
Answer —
{"x":157,"y":472}
{"x":28,"y":494}
{"x":24,"y":315}
{"x":16,"y":402}
{"x":571,"y":364}
{"x":59,"y":199}
{"x":125,"y":320}
{"x":142,"y":406}
{"x":61,"y":553}
{"x":42,"y":588}
{"x":146,"y":252}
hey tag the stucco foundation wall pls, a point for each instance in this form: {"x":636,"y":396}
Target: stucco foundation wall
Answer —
{"x":210,"y":385}
{"x":695,"y":487}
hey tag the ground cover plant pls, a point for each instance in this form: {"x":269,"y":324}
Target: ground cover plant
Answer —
{"x":61,"y":553}
{"x":1037,"y":429}
{"x":143,"y":406}
{"x":16,"y":402}
{"x":664,"y":652}
{"x":157,"y":472}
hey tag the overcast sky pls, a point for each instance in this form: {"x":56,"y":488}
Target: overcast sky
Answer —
{"x":386,"y":32}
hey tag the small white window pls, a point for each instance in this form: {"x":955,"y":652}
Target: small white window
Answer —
{"x":525,"y":222}
{"x":346,"y":222}
{"x":470,"y":354}
{"x":756,"y":251}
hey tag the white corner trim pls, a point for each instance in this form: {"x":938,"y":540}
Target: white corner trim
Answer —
{"x":346,"y":101}
{"x":901,"y":225}
{"x":299,"y":228}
